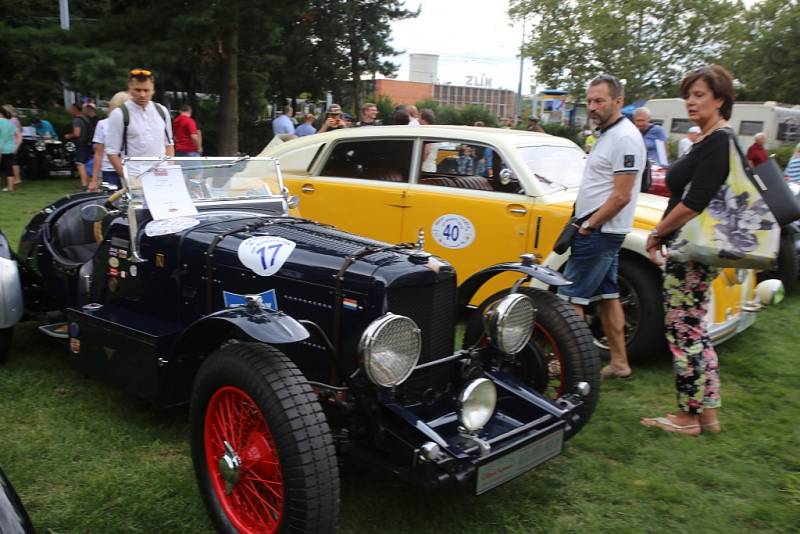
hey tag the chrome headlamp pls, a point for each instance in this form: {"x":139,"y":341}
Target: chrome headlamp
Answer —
{"x":69,"y":146}
{"x":478,"y":401}
{"x":40,"y":146}
{"x":509,"y":322}
{"x":389,"y":349}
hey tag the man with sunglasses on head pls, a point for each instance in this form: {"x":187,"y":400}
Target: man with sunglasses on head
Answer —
{"x":605,"y":206}
{"x":143,"y":128}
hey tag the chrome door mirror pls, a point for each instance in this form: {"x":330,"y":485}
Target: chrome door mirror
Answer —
{"x":506,"y":176}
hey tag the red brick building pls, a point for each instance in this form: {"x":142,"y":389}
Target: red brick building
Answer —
{"x":499,"y":101}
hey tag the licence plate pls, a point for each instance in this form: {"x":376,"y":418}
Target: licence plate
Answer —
{"x":60,"y":173}
{"x":518,"y":462}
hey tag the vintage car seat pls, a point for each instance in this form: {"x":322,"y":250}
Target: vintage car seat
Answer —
{"x":73,"y":237}
{"x":478,"y":183}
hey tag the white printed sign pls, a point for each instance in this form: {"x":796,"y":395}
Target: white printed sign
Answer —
{"x":453,"y":231}
{"x":265,"y":255}
{"x":166,"y":193}
{"x":169,"y":226}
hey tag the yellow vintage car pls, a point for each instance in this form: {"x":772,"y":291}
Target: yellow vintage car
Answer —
{"x":496,"y":195}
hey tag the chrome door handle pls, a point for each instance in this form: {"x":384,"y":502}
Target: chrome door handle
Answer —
{"x":308,"y":189}
{"x":521,"y":211}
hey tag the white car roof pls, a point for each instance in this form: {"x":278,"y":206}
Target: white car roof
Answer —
{"x":496,"y":136}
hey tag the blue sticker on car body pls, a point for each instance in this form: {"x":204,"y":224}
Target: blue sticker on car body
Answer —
{"x":268,"y":298}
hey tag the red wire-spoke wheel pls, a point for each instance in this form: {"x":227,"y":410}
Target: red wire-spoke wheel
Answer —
{"x":560,"y":354}
{"x":261,"y":446}
{"x":243,"y":462}
{"x":556,"y":381}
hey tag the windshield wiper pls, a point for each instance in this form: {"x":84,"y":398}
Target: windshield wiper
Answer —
{"x":550,"y":182}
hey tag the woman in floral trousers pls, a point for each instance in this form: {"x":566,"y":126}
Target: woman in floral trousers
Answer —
{"x":693,"y":180}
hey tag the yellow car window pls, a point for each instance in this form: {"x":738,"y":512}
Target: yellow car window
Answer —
{"x":383,"y":159}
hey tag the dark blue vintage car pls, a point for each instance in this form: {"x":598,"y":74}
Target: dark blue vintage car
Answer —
{"x":294,"y":342}
{"x":13,"y":517}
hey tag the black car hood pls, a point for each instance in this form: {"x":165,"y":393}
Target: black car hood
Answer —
{"x":324,"y":247}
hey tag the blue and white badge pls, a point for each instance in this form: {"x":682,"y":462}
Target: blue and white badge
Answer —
{"x":268,"y":298}
{"x":265,"y":255}
{"x":453,"y":231}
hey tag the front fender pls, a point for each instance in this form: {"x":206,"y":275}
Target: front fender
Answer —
{"x":254,"y":322}
{"x":10,"y":287}
{"x":540,"y":273}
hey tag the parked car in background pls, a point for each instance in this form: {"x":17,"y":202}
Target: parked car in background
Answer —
{"x":293,"y":341}
{"x":371,"y":181}
{"x":43,"y":157}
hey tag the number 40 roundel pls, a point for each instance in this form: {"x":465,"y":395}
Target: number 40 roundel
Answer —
{"x":265,"y":255}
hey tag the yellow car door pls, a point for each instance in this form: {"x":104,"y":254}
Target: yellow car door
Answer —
{"x":468,"y":216}
{"x":359,"y":186}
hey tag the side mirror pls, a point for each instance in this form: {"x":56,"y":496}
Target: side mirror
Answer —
{"x":93,"y":213}
{"x":293,"y":202}
{"x":506,"y":176}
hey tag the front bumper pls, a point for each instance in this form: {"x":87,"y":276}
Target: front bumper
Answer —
{"x":525,"y":431}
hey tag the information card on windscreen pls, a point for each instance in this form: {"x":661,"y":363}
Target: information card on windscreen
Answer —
{"x":166,"y":193}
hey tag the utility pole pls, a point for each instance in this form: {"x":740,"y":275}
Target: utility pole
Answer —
{"x":518,"y":106}
{"x":63,"y":12}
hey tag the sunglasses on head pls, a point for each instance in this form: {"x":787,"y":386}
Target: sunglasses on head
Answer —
{"x":141,"y":72}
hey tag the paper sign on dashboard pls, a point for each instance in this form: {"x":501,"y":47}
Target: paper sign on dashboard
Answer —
{"x":166,"y":193}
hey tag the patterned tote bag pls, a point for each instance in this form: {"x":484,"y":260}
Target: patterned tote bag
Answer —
{"x":737,"y":229}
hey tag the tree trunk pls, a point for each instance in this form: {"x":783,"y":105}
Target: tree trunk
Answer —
{"x":229,"y":94}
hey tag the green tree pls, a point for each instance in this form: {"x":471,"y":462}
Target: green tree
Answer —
{"x":763,"y":51}
{"x":472,"y":113}
{"x":648,"y":43}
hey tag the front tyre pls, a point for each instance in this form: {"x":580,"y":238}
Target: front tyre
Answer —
{"x":641,"y":297}
{"x":787,"y":268}
{"x":560,"y":354}
{"x":261,"y":446}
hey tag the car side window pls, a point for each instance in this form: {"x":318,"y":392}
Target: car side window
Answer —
{"x":386,"y":160}
{"x":462,"y":165}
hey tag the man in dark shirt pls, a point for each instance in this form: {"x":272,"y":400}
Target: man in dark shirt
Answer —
{"x":757,"y":153}
{"x":80,"y":136}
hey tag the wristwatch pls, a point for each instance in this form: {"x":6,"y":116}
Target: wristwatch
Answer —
{"x":655,"y":233}
{"x":585,"y":226}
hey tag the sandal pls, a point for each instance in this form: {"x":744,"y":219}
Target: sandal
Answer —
{"x":609,"y":372}
{"x":668,"y":425}
{"x":714,"y":428}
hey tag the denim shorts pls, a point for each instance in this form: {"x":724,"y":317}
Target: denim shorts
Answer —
{"x":82,"y":154}
{"x":112,"y":177}
{"x":592,"y":268}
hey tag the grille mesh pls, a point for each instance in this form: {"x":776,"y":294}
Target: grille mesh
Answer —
{"x":326,"y":239}
{"x":433,"y":308}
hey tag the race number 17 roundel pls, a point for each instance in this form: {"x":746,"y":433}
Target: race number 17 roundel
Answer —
{"x":265,"y":255}
{"x":453,"y":231}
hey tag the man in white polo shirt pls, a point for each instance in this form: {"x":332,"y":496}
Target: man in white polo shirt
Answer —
{"x":606,"y":201}
{"x":149,"y":129}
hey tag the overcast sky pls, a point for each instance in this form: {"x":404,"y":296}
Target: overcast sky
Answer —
{"x":471,"y":37}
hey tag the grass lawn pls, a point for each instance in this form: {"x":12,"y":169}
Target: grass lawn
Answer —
{"x":87,"y":458}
